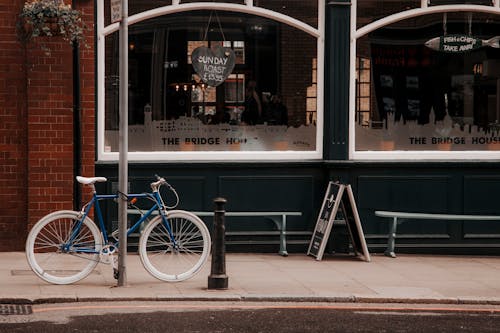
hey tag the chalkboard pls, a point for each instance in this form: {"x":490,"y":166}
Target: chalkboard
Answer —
{"x":213,"y":65}
{"x":325,"y":220}
{"x":338,"y":196}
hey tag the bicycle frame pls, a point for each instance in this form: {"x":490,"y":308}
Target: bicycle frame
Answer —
{"x":94,"y":202}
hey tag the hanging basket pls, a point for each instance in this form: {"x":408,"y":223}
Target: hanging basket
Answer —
{"x":49,"y":28}
{"x":41,"y":18}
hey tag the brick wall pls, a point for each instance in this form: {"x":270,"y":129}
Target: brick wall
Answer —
{"x":50,"y":127}
{"x":12,"y":131}
{"x":36,"y":124}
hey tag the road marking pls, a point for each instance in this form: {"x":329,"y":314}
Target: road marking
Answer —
{"x":206,"y":306}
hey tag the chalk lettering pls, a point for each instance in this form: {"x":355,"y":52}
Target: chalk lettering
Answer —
{"x":450,"y":48}
{"x":212,"y":60}
{"x":466,"y":47}
{"x":214,"y":69}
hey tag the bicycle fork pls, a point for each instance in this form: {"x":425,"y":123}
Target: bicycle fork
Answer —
{"x":163,"y":213}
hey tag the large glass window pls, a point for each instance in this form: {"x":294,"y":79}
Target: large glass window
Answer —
{"x":430,"y":83}
{"x":268,"y":102}
{"x":369,"y":11}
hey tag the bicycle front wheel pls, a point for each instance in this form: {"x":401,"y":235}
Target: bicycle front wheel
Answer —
{"x":61,"y":250}
{"x":177,"y":255}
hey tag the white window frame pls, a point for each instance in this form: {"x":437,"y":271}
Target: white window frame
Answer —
{"x":177,"y":7}
{"x":424,"y":9}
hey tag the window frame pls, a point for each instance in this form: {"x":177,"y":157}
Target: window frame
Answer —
{"x":396,"y":155}
{"x":177,"y":7}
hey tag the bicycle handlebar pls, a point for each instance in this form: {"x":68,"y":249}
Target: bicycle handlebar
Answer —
{"x":155,"y":186}
{"x":161,"y":181}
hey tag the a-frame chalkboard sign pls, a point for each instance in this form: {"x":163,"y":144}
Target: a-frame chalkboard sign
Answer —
{"x":338,"y":204}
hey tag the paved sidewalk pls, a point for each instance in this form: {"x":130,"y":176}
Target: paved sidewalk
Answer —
{"x":270,"y":277}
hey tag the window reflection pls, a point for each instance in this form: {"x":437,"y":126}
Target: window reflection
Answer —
{"x":433,"y":84}
{"x":171,"y":108}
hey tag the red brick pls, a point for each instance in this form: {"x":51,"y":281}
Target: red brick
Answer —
{"x":36,"y":125}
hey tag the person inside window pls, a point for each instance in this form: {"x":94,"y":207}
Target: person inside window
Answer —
{"x":277,"y":112}
{"x":253,"y":106}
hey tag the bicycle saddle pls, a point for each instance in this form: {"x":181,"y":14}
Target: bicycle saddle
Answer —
{"x":90,"y":180}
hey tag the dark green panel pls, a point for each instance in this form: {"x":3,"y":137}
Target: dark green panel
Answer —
{"x":481,"y":197}
{"x":270,"y":193}
{"x":407,"y":193}
{"x":481,"y":194}
{"x":403,"y":193}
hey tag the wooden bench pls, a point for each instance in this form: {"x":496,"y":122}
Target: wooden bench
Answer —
{"x":396,"y":218}
{"x":278,"y":218}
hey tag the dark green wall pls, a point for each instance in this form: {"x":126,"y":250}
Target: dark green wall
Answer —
{"x":429,"y":187}
{"x":260,"y":186}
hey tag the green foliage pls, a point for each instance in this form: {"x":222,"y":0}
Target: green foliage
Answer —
{"x":51,"y":18}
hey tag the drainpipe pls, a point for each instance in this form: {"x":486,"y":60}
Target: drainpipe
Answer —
{"x":77,"y":146}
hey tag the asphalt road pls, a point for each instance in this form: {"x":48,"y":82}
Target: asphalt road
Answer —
{"x":248,"y":318}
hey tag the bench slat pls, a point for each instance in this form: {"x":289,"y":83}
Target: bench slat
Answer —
{"x":426,"y":216}
{"x":251,"y":214}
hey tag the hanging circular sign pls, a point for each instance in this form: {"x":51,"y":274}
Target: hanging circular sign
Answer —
{"x":213,"y":65}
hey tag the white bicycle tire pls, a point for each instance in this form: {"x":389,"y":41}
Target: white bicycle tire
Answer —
{"x":154,"y":235}
{"x":51,"y":276}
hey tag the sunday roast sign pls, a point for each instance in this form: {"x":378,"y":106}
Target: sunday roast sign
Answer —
{"x":213,"y":65}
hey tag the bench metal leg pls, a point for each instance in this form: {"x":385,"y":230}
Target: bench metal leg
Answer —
{"x":391,"y":239}
{"x":281,"y":226}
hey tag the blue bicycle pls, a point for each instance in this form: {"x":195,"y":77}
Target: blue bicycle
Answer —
{"x":65,"y":246}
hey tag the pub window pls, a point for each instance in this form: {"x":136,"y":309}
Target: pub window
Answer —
{"x":369,"y":11}
{"x":363,"y":93}
{"x":436,"y":84}
{"x":268,"y":102}
{"x":312,"y":100}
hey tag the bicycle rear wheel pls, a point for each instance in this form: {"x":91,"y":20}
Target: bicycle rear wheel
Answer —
{"x":56,"y":259}
{"x":179,"y":258}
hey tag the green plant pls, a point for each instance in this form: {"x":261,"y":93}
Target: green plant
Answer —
{"x":51,"y":18}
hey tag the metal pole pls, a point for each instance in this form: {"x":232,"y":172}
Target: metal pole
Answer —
{"x":218,"y":278}
{"x":123,"y":147}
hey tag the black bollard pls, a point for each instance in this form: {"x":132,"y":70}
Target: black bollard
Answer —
{"x":218,"y":278}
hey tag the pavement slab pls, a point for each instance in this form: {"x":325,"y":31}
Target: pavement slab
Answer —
{"x":270,"y":277}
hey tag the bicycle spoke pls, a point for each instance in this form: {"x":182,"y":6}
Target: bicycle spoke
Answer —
{"x":52,"y":234}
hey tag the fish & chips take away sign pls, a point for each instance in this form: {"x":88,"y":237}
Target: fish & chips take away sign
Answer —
{"x":460,"y":43}
{"x":213,"y":65}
